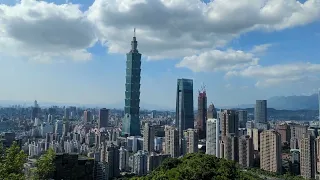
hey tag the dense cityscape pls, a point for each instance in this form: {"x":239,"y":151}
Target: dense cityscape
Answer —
{"x":109,"y":143}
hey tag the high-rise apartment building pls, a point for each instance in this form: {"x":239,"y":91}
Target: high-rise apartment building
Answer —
{"x":212,"y":112}
{"x":58,"y":128}
{"x":191,"y":138}
{"x":103,"y":118}
{"x":284,"y":130}
{"x":229,"y":134}
{"x":148,"y":137}
{"x":100,"y":171}
{"x":246,"y":151}
{"x":184,"y":106}
{"x":243,"y":118}
{"x":112,"y":158}
{"x":202,"y":113}
{"x":123,"y":159}
{"x":35,"y":110}
{"x":212,"y":140}
{"x":270,"y":151}
{"x":140,"y":163}
{"x":255,"y":134}
{"x":131,"y":120}
{"x":297,"y":131}
{"x":260,"y":111}
{"x":172,"y":141}
{"x":229,"y":122}
{"x":308,"y":156}
{"x":231,"y":147}
{"x":67,"y":113}
{"x":87,"y":116}
{"x":155,"y":160}
{"x":65,"y":127}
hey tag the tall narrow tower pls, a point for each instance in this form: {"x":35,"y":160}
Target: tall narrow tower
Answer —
{"x":202,"y":112}
{"x":131,"y":121}
{"x":184,"y":106}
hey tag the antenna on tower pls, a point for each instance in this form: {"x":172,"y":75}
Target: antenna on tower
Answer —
{"x":203,"y":87}
{"x":134,"y":32}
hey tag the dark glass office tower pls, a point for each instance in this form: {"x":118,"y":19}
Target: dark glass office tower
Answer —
{"x":184,"y":106}
{"x":131,"y":121}
{"x":260,"y":111}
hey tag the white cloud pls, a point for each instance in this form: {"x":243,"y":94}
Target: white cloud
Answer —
{"x":44,"y":31}
{"x":179,"y":28}
{"x":280,"y":74}
{"x":218,"y":60}
{"x":165,"y":28}
{"x":260,"y":48}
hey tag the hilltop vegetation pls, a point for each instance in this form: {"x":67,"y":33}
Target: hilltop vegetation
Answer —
{"x":12,"y":164}
{"x":198,"y":167}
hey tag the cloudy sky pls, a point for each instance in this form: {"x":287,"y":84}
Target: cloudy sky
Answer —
{"x":73,"y":51}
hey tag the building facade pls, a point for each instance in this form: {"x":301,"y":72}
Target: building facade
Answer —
{"x":202,"y":113}
{"x":131,"y":120}
{"x":172,"y":141}
{"x":184,"y":106}
{"x":191,"y":139}
{"x":243,"y":118}
{"x":148,"y":138}
{"x":270,"y":151}
{"x":260,"y":111}
{"x":308,"y":156}
{"x":246,"y":151}
{"x":212,"y":112}
{"x":229,"y":122}
{"x":212,"y":140}
{"x":103,"y":118}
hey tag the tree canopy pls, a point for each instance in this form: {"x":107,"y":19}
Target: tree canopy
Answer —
{"x":198,"y":167}
{"x":45,"y":166}
{"x":11,"y":163}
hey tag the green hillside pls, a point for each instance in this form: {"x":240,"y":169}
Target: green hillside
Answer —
{"x":198,"y":167}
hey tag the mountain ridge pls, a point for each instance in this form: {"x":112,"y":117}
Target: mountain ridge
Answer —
{"x":295,"y":102}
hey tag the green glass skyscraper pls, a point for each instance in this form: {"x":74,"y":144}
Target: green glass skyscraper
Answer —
{"x":131,"y":121}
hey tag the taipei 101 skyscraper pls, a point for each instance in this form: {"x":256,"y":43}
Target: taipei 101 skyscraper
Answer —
{"x":131,"y":121}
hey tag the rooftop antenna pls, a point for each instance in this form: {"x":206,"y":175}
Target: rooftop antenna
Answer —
{"x":203,"y":87}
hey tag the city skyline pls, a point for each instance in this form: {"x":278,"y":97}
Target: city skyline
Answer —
{"x":80,"y":58}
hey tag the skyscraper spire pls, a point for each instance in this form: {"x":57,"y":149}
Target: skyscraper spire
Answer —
{"x":134,"y":43}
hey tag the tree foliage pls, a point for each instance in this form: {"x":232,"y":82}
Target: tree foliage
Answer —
{"x":11,"y":163}
{"x":198,"y":167}
{"x":45,"y":166}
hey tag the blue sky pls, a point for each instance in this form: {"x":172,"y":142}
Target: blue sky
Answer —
{"x":75,"y":66}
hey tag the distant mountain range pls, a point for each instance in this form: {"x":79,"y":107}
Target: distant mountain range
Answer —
{"x":277,"y":102}
{"x":288,"y":103}
{"x":119,"y":105}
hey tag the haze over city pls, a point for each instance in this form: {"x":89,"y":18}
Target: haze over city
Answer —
{"x":74,"y":51}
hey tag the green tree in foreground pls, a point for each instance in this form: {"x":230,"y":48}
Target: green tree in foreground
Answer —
{"x":198,"y":167}
{"x":11,"y":165}
{"x":45,"y":166}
